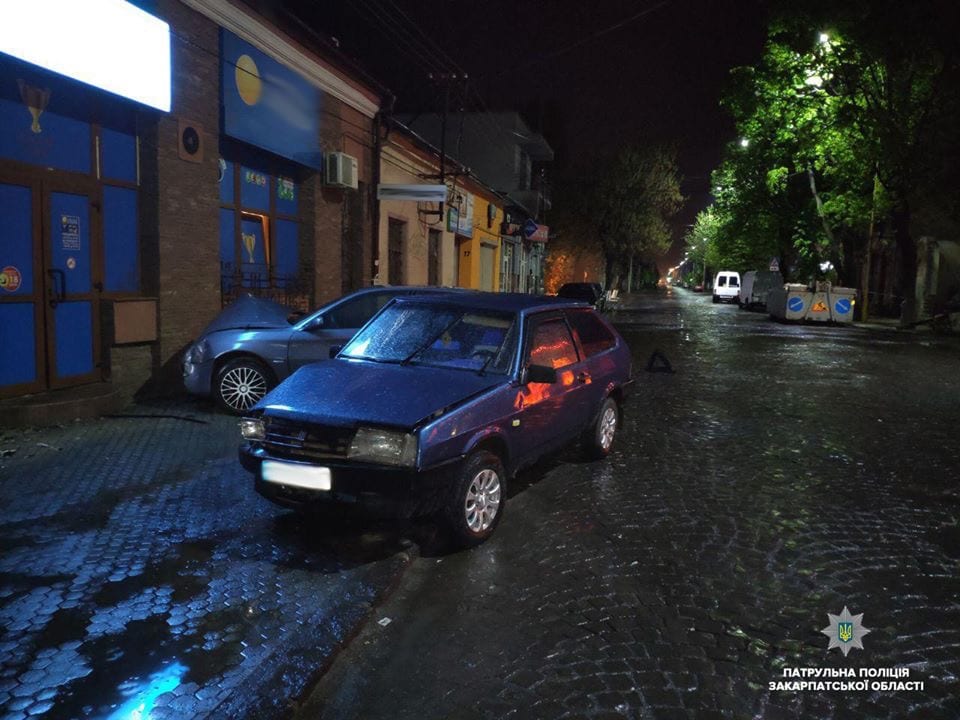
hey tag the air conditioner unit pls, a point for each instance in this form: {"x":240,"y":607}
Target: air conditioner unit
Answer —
{"x":341,"y":170}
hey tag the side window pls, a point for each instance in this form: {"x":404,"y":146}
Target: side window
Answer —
{"x":552,"y":345}
{"x":595,"y":337}
{"x":355,"y":313}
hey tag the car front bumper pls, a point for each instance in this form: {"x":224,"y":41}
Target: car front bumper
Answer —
{"x":375,"y":489}
{"x":197,"y":377}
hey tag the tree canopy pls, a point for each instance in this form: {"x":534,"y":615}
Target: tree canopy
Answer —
{"x":845,"y":123}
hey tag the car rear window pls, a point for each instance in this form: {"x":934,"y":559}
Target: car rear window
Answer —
{"x":578,"y":292}
{"x":355,"y":312}
{"x":595,"y":336}
{"x":722,"y":281}
{"x":552,"y":345}
{"x":734,"y":282}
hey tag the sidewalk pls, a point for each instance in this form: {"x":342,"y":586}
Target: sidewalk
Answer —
{"x":139,"y":568}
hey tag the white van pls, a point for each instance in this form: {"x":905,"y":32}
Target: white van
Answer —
{"x":726,"y":286}
{"x":755,"y":287}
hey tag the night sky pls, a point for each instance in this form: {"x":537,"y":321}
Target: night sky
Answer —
{"x":591,"y":76}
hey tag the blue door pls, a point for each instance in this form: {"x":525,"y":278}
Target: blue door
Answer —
{"x":48,"y":323}
{"x":70,"y":308}
{"x":22,"y":368}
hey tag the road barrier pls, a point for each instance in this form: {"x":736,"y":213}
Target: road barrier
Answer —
{"x":822,"y":303}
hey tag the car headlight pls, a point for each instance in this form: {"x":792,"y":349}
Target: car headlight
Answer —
{"x":253,"y":429}
{"x":389,"y":447}
{"x":198,"y":352}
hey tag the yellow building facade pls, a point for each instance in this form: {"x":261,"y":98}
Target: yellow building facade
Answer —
{"x":477,"y":240}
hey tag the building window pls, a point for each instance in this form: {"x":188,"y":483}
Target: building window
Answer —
{"x":395,"y":234}
{"x":260,"y":236}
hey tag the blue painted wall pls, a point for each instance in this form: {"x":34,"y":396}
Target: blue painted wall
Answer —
{"x":267,"y":104}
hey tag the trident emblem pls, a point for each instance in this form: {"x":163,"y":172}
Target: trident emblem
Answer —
{"x":36,"y":100}
{"x":845,"y":631}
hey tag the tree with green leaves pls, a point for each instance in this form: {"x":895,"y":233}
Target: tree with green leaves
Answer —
{"x":622,"y":209}
{"x":632,"y":203}
{"x":845,"y":121}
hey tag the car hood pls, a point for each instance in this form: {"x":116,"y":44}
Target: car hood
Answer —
{"x":249,"y":313}
{"x":349,"y":392}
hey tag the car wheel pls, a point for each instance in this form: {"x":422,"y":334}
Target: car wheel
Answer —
{"x":716,"y":298}
{"x":240,"y":384}
{"x":598,"y":438}
{"x":476,"y":503}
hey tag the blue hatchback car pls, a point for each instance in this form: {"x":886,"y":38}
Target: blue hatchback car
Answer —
{"x":436,"y":403}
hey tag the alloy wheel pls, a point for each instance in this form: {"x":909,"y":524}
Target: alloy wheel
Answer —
{"x":243,"y":387}
{"x":483,"y":500}
{"x":608,"y":427}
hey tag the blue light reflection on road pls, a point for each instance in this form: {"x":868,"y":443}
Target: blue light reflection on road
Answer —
{"x":138,"y":707}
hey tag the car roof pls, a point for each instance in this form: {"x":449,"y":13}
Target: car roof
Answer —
{"x":507,"y":302}
{"x":425,"y":289}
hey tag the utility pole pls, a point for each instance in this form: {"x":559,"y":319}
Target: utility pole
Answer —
{"x":446,"y":79}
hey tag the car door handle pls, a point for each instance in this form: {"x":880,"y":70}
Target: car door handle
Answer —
{"x":583,"y":377}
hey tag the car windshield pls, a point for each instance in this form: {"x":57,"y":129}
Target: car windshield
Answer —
{"x":438,"y":336}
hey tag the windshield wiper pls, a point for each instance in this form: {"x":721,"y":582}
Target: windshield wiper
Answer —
{"x":429,"y":342}
{"x":486,"y":362}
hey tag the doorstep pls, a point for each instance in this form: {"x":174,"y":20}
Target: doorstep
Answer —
{"x":55,"y":407}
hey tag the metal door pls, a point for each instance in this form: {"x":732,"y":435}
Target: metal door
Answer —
{"x":487,"y":253}
{"x":48,"y":287}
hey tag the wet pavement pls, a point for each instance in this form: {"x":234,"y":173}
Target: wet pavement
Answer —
{"x":141,"y":577}
{"x":780,"y":474}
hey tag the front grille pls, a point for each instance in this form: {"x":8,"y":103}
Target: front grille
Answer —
{"x":309,"y":442}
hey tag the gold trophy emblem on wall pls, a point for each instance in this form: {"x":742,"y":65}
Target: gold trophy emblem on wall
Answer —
{"x":36,"y":100}
{"x":249,"y":242}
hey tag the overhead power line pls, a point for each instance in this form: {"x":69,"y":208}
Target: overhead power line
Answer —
{"x":588,"y":39}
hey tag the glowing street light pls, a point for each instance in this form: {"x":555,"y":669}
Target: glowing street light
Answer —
{"x":744,"y":142}
{"x":824,"y":39}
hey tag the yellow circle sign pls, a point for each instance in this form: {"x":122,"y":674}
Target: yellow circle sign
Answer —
{"x":248,"y":80}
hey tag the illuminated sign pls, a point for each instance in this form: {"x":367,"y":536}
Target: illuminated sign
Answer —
{"x":269,"y":105}
{"x":109,"y":44}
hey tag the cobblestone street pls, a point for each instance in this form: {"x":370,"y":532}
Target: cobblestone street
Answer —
{"x":782,"y":473}
{"x":141,"y":576}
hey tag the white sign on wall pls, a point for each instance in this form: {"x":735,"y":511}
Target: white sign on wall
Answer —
{"x":110,"y":44}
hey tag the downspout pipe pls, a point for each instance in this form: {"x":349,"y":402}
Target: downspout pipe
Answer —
{"x":381,"y":131}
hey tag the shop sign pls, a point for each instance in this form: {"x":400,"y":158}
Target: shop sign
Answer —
{"x":536,"y":233}
{"x":465,"y":219}
{"x":453,"y":219}
{"x":418,"y":192}
{"x":109,"y":44}
{"x":269,"y":105}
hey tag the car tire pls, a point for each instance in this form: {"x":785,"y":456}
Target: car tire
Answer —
{"x":598,"y":439}
{"x":469,"y":512}
{"x":240,"y":383}
{"x":716,"y":299}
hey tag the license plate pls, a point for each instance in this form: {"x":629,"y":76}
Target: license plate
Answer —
{"x":310,"y":477}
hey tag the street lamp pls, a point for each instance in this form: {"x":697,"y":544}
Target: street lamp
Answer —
{"x":744,"y":142}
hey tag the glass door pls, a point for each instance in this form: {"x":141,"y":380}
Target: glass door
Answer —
{"x":72,"y":291}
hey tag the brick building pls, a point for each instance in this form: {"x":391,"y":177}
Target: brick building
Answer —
{"x":131,"y":224}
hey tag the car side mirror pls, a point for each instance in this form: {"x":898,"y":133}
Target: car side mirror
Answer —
{"x":539,"y":374}
{"x":335,"y":350}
